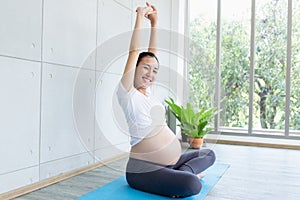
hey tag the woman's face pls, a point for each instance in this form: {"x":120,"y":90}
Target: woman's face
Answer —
{"x":145,"y":72}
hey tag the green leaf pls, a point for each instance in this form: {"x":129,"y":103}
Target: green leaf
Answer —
{"x":192,"y":123}
{"x":187,"y":113}
{"x":174,"y":108}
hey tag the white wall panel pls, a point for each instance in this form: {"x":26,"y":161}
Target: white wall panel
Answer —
{"x":109,"y":152}
{"x":18,"y":179}
{"x":113,"y":19}
{"x":116,"y":66}
{"x":164,"y":67}
{"x":114,"y":24}
{"x":70,"y":31}
{"x":164,"y":13}
{"x":59,"y":134}
{"x":50,"y":122}
{"x":110,"y":120}
{"x":84,"y":107}
{"x":57,"y":167}
{"x":21,"y":28}
{"x":161,"y":91}
{"x":19,"y":116}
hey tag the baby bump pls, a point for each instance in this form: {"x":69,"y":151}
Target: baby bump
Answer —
{"x":162,"y":148}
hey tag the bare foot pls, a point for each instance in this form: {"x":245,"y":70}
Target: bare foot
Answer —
{"x":201,"y":175}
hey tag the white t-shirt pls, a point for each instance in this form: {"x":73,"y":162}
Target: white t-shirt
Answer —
{"x":144,"y":113}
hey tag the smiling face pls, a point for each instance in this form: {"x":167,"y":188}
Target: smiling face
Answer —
{"x":145,"y":73}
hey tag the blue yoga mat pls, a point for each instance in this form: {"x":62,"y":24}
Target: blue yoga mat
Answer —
{"x":120,"y":190}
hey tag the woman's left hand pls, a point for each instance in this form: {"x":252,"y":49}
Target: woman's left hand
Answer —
{"x":152,"y":15}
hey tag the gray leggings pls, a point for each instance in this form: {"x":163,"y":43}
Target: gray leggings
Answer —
{"x":178,"y":180}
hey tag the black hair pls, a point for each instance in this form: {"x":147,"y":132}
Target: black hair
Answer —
{"x":145,"y":54}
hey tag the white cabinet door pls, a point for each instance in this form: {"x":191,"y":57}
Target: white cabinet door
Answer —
{"x":17,"y":179}
{"x":70,"y":32}
{"x":111,"y":127}
{"x":56,"y":167}
{"x":114,"y":26}
{"x":21,"y":28}
{"x":111,"y":152}
{"x":60,"y":136}
{"x":19,"y":114}
{"x":114,"y":18}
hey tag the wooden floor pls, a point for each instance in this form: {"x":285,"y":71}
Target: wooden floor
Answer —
{"x":255,"y":173}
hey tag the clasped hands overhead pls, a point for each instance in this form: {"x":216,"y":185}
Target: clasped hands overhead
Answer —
{"x":149,"y":12}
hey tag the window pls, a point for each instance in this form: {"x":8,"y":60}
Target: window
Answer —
{"x":235,"y":63}
{"x":251,"y":56}
{"x":270,"y":66}
{"x":202,"y":52}
{"x":295,"y":71}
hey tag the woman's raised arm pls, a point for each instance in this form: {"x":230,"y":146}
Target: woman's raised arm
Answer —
{"x":128,"y":74}
{"x":152,"y":16}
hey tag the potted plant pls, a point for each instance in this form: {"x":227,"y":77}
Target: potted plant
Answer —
{"x":192,"y":123}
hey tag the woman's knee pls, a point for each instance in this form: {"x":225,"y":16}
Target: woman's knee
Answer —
{"x":131,"y":179}
{"x":210,"y":154}
{"x":191,"y":186}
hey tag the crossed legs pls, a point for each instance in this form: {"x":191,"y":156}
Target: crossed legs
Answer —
{"x":179,"y":180}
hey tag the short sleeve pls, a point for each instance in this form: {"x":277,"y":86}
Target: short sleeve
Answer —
{"x":123,"y":95}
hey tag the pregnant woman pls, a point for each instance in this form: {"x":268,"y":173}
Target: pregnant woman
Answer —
{"x":156,"y":163}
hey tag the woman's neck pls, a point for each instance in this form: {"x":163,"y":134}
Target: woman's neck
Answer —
{"x":142,"y":90}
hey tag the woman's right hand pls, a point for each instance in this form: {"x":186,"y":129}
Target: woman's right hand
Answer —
{"x":144,"y":11}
